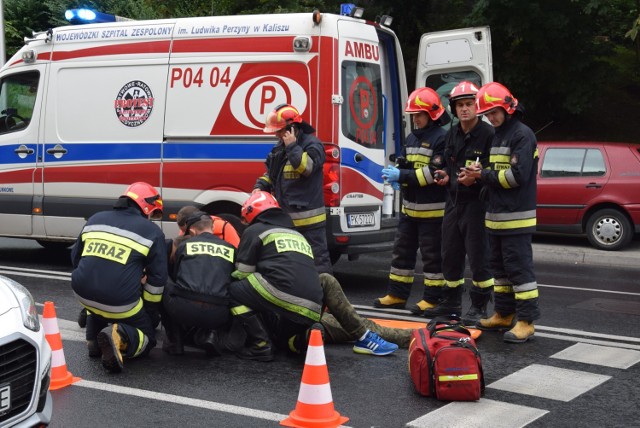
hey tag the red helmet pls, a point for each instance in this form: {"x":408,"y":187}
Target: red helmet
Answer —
{"x":494,"y":95}
{"x":147,"y":198}
{"x":427,"y":100}
{"x":257,"y":203}
{"x":463,"y":90}
{"x":280,"y":117}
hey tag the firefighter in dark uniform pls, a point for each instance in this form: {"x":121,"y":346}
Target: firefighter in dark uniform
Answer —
{"x":277,"y":279}
{"x":463,"y":231}
{"x":511,"y":213}
{"x":120,"y":270}
{"x":196,"y":298}
{"x":295,"y":176}
{"x":423,"y":203}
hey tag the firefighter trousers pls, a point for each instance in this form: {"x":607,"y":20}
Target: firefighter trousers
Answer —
{"x":282,"y":321}
{"x":191,"y":312}
{"x":464,"y":234}
{"x":515,"y":289}
{"x":411,"y":236}
{"x":139,"y":330}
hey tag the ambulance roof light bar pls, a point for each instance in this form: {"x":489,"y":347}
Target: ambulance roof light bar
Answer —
{"x":386,"y":20}
{"x":89,"y":16}
{"x":350,"y":9}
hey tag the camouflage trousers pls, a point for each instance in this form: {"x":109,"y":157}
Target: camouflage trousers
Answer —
{"x":343,"y":324}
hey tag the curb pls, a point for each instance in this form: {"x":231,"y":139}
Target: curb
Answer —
{"x":628,"y":257}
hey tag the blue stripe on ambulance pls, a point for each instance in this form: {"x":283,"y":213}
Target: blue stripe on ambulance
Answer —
{"x":366,"y":166}
{"x":88,"y":152}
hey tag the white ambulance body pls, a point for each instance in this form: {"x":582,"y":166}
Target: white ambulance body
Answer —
{"x":86,"y":110}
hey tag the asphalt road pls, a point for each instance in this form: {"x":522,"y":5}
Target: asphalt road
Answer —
{"x":591,"y":307}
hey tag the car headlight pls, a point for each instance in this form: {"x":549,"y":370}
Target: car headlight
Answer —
{"x":27,"y":305}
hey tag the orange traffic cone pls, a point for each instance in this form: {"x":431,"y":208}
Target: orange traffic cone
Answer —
{"x":315,"y":404}
{"x":60,"y":377}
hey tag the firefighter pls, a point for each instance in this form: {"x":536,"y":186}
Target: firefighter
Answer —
{"x":196,"y":297}
{"x":511,"y":213}
{"x":277,"y":281}
{"x":222,"y":228}
{"x":423,"y":203}
{"x":463,"y":231}
{"x":117,"y":251}
{"x":295,"y":175}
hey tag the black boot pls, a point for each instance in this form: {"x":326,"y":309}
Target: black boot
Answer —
{"x":480,"y":298}
{"x":173,"y":343}
{"x":113,"y":342}
{"x":232,"y":340}
{"x":299,"y":343}
{"x":82,"y":318}
{"x":208,"y":340}
{"x":258,"y":346}
{"x":450,"y":305}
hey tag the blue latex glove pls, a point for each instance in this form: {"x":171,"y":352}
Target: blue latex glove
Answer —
{"x":391,"y":174}
{"x":395,"y":185}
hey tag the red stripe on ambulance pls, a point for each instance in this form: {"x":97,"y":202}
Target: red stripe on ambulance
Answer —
{"x":355,"y":182}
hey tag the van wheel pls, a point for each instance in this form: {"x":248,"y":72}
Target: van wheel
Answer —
{"x":54,"y":245}
{"x":609,"y":229}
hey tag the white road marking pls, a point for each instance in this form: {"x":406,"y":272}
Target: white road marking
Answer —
{"x":549,"y":382}
{"x":479,"y":414}
{"x":606,"y":356}
{"x":185,"y":401}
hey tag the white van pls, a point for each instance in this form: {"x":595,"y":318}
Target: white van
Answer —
{"x":180,"y":103}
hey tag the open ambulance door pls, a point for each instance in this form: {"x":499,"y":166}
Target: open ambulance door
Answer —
{"x":446,"y":58}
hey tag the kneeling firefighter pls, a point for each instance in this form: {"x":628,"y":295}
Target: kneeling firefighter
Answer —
{"x":120,"y":270}
{"x":196,"y":297}
{"x":278,"y":284}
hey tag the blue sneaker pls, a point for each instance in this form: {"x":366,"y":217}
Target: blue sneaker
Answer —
{"x":373,"y":344}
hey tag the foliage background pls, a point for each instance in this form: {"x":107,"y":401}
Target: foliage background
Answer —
{"x":574,"y":64}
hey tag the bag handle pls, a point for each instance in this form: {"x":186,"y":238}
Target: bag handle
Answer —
{"x":450,"y":323}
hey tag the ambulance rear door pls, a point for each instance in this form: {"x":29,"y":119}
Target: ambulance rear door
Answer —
{"x":448,"y":57}
{"x":362,"y":131}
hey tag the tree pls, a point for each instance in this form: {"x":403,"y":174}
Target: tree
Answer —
{"x":564,"y":60}
{"x":558,"y":57}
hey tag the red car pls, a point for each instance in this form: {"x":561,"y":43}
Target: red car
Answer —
{"x":590,"y":188}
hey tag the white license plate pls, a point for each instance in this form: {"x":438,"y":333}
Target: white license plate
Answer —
{"x":5,"y":398}
{"x":361,"y":220}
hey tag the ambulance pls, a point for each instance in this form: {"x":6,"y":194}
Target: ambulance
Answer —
{"x":86,"y":110}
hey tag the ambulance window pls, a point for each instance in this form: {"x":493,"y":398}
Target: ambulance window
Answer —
{"x":445,"y":82}
{"x":18,"y":94}
{"x":362,"y":110}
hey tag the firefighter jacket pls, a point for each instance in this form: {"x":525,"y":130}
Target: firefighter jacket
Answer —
{"x":203,"y":268}
{"x":295,"y":177}
{"x":461,"y":150}
{"x":113,"y":252}
{"x":511,"y":179}
{"x":278,"y":262}
{"x":423,"y":154}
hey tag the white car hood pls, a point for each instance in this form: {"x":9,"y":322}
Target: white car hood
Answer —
{"x":7,"y":299}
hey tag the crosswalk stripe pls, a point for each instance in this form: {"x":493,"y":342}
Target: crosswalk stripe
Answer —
{"x":549,"y":382}
{"x":479,"y":414}
{"x":607,"y":356}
